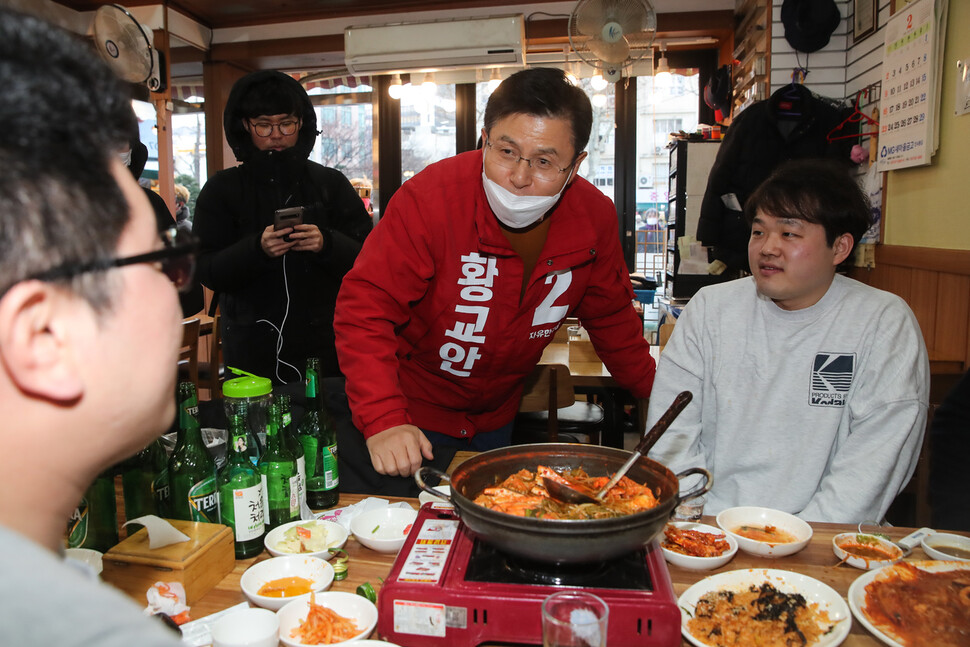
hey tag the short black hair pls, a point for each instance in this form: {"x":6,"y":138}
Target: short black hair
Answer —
{"x":542,"y":92}
{"x":271,"y":95}
{"x":820,"y":191}
{"x":64,"y":117}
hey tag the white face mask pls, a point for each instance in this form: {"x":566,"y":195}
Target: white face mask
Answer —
{"x":518,"y":211}
{"x":126,"y":158}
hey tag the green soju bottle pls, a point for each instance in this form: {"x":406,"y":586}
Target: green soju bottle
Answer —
{"x":94,"y":523}
{"x":278,"y":470}
{"x":144,"y":481}
{"x":191,"y":470}
{"x":318,"y":436}
{"x":292,"y":443}
{"x":241,"y":492}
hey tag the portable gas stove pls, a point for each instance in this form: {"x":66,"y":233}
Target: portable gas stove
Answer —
{"x":449,"y":588}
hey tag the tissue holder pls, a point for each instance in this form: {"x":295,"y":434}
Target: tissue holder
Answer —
{"x":199,"y":564}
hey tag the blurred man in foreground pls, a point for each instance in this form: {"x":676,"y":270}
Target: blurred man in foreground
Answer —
{"x":80,"y":308}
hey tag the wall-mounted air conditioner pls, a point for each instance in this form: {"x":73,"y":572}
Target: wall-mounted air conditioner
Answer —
{"x":441,"y":44}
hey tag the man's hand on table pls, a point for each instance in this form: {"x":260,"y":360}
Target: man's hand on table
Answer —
{"x":399,"y":451}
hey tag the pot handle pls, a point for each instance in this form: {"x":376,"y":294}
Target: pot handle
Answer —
{"x":420,"y":475}
{"x":703,"y":488}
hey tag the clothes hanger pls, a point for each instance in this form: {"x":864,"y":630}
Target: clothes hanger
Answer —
{"x":789,"y":100}
{"x":856,"y":117}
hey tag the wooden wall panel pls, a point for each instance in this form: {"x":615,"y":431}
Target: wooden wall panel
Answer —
{"x":936,"y":285}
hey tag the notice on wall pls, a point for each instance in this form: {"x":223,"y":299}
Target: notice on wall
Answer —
{"x":908,"y":102}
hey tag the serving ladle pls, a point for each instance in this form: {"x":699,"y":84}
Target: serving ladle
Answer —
{"x":566,"y":494}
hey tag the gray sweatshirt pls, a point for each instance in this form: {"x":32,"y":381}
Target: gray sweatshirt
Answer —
{"x":818,"y":412}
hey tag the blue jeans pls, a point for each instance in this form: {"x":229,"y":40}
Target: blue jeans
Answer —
{"x":482,"y":442}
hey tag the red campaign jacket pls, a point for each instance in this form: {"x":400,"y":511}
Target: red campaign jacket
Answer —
{"x":429,"y":327}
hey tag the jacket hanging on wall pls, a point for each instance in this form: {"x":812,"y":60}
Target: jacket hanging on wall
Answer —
{"x":791,"y":124}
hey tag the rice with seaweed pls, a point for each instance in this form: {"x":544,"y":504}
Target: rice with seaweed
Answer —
{"x":761,"y":615}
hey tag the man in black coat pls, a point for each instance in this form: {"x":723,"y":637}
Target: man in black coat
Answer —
{"x":277,"y":287}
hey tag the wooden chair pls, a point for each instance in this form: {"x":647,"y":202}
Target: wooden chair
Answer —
{"x":188,"y":364}
{"x":212,"y":371}
{"x":663,"y":335}
{"x":549,"y":407}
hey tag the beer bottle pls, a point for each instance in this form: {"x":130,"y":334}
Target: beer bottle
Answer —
{"x":318,"y":436}
{"x":277,"y":468}
{"x":94,"y":523}
{"x":292,"y":443}
{"x":191,"y":470}
{"x":241,"y":492}
{"x":144,"y":482}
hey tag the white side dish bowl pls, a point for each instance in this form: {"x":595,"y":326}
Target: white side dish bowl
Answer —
{"x":349,"y":605}
{"x":336,"y":537}
{"x":318,"y":571}
{"x":733,"y":518}
{"x":699,"y":563}
{"x":383,"y":530}
{"x":946,"y":546}
{"x":846,"y":547}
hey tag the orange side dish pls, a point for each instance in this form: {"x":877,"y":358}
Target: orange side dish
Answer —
{"x":919,"y":608}
{"x":324,"y":626}
{"x":694,"y":542}
{"x":768,"y":534}
{"x":286,"y":587}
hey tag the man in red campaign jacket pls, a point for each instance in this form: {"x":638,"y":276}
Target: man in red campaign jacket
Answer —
{"x":475,"y":264}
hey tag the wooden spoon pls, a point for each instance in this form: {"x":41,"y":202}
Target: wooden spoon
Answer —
{"x":567,"y":494}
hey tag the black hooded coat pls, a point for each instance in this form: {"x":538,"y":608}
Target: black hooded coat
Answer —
{"x":276,"y":312}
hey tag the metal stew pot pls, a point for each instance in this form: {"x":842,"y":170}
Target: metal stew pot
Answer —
{"x":562,"y":541}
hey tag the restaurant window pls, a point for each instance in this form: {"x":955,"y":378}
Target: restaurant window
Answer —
{"x":346,"y":123}
{"x":663,"y":108}
{"x":427,"y":125}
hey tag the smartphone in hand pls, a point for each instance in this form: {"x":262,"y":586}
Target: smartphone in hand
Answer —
{"x":285,"y":218}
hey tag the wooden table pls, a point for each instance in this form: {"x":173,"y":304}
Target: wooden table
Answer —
{"x":816,"y":561}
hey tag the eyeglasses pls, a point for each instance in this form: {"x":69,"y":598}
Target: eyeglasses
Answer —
{"x":265,"y":128}
{"x":176,"y":261}
{"x":542,"y":167}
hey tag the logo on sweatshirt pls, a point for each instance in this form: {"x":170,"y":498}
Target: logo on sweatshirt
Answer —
{"x":831,"y":378}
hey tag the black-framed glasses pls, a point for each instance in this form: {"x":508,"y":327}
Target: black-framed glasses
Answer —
{"x":265,"y":128}
{"x":176,"y":260}
{"x":542,"y":168}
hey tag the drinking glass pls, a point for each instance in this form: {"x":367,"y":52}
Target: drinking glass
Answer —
{"x":690,"y":510}
{"x":574,"y":619}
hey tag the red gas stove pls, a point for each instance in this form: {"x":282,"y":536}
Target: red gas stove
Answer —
{"x":449,"y":588}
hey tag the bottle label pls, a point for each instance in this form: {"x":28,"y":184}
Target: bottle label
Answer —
{"x":204,"y":501}
{"x":295,"y":496}
{"x":160,"y":490}
{"x":77,"y":526}
{"x":239,"y":443}
{"x":248,"y":513}
{"x":301,"y":480}
{"x":330,"y":467}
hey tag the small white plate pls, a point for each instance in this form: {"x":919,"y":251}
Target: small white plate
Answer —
{"x":424,"y":497}
{"x":699,"y":563}
{"x":336,"y":538}
{"x":857,"y":593}
{"x":785,"y":581}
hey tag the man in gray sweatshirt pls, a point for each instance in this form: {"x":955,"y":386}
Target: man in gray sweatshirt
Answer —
{"x":810,"y":388}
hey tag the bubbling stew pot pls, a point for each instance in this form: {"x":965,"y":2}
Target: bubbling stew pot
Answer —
{"x":553,"y":540}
